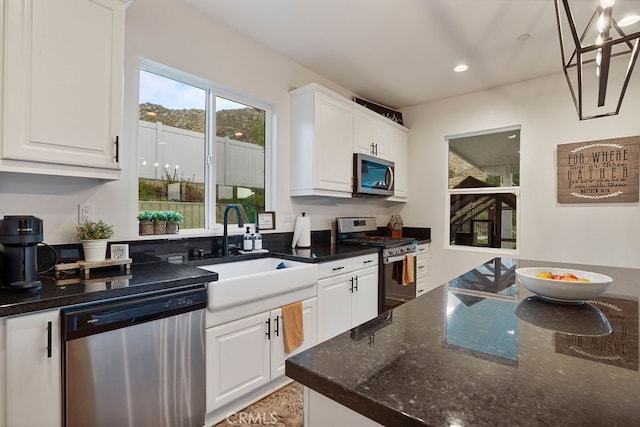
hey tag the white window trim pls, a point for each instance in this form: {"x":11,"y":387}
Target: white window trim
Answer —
{"x":216,"y":90}
{"x":484,"y":190}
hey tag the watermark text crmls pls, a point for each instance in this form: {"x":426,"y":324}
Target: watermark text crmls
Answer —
{"x":262,"y":418}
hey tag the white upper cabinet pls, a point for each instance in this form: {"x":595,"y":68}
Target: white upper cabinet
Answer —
{"x":378,"y":136}
{"x":326,"y":129}
{"x":62,"y":87}
{"x":321,"y":143}
{"x":372,"y":134}
{"x":398,"y":151}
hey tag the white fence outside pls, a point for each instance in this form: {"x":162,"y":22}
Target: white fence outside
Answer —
{"x":162,"y":147}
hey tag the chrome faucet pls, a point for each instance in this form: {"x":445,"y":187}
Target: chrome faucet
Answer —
{"x":225,"y":244}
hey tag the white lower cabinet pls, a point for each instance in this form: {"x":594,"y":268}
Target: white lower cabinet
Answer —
{"x":422,"y":269}
{"x":247,"y":353}
{"x":33,"y":370}
{"x":346,"y":300}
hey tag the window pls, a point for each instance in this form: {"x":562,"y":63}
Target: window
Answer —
{"x":186,"y":167}
{"x":483,"y":189}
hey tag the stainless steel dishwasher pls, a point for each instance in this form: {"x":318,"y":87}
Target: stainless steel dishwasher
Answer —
{"x":136,"y":362}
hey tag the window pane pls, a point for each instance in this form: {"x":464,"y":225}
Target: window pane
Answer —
{"x":239,"y":158}
{"x":172,"y":141}
{"x":483,"y":220}
{"x":487,"y":160}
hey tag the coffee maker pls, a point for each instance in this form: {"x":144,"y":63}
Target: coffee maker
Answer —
{"x":19,"y":238}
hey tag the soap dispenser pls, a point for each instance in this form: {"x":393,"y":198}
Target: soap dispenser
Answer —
{"x":247,"y":241}
{"x":257,"y":240}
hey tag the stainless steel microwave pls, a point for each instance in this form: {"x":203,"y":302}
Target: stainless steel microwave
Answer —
{"x":372,"y":176}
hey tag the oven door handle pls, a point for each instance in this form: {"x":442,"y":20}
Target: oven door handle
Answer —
{"x":391,"y":260}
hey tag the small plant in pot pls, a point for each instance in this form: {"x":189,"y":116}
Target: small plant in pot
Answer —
{"x":159,"y":222}
{"x":173,"y":221}
{"x":93,"y":236}
{"x":145,"y":224}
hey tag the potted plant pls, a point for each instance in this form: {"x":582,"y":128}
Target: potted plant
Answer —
{"x":159,"y":222}
{"x":93,"y":236}
{"x":174,"y":219}
{"x":145,"y":222}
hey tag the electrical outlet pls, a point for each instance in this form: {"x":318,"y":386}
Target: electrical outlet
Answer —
{"x":85,"y":213}
{"x":288,"y":216}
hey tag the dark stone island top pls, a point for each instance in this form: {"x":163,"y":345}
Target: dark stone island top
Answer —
{"x":483,"y":351}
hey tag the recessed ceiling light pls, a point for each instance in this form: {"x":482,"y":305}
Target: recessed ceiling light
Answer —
{"x":629,"y":20}
{"x":460,"y":68}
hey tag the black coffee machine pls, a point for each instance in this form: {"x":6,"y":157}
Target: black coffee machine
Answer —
{"x":19,"y":238}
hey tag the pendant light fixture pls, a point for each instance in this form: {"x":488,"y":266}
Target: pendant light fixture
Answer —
{"x":597,"y":62}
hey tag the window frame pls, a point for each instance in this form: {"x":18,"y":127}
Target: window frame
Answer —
{"x":214,"y":90}
{"x":515,"y":190}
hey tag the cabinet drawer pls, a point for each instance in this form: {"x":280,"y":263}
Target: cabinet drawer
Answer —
{"x":347,"y":265}
{"x":421,"y":266}
{"x":333,"y":268}
{"x":365,"y":261}
{"x":423,"y":249}
{"x":421,"y":287}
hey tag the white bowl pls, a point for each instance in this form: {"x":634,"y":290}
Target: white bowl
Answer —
{"x":563,"y":290}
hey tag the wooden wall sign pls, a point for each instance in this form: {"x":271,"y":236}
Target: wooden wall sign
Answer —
{"x":393,"y":115}
{"x":604,"y":171}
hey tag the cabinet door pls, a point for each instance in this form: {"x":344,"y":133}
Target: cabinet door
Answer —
{"x":278,"y":355}
{"x":33,"y":370}
{"x":371,"y":134}
{"x":333,"y":144}
{"x":63,"y":63}
{"x":398,"y":152}
{"x":237,"y":359}
{"x":364,"y":301}
{"x":334,"y":306}
{"x":363,"y":133}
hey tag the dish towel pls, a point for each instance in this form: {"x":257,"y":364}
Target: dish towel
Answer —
{"x":293,"y":330}
{"x":407,"y":269}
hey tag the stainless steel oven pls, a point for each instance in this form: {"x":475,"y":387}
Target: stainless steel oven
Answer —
{"x":399,"y":291}
{"x":136,"y":362}
{"x":393,"y":256}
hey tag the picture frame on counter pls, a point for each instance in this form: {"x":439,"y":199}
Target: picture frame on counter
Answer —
{"x":119,"y":251}
{"x":266,"y":220}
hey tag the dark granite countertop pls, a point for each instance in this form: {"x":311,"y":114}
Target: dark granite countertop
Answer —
{"x":323,"y":253}
{"x":73,"y":289}
{"x":147,"y":277}
{"x":474,"y":352}
{"x":315,"y":254}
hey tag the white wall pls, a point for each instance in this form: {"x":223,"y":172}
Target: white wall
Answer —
{"x":602,"y":234}
{"x":171,"y":33}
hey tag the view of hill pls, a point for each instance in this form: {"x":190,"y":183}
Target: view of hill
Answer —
{"x":245,"y":124}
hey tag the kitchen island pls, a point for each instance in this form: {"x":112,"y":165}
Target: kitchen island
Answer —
{"x":483,"y":351}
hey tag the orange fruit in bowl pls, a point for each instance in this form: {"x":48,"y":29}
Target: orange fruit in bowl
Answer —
{"x":544,"y":275}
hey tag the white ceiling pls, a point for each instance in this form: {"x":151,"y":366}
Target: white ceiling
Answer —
{"x":401,"y":52}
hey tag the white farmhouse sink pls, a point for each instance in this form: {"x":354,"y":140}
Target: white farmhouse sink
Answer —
{"x":258,"y":284}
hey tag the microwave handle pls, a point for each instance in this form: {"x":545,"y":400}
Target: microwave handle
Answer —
{"x":390,"y":170}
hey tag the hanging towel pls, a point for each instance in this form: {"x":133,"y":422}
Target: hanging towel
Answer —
{"x":407,"y":269}
{"x":292,"y":326}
